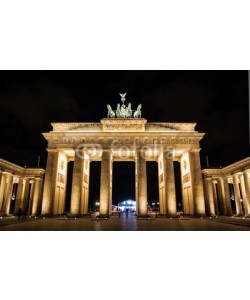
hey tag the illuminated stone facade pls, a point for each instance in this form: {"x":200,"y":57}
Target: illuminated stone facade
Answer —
{"x":228,"y":187}
{"x":22,"y":186}
{"x":123,"y":140}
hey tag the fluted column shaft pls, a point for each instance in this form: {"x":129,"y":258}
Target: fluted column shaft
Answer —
{"x":237,"y":195}
{"x":105,"y":184}
{"x":221,"y":195}
{"x":198,"y":190}
{"x":142,"y":186}
{"x":170,"y":200}
{"x":228,"y":205}
{"x":246,"y":175}
{"x":77,"y":181}
{"x":7,"y":200}
{"x":49,"y":182}
{"x":18,"y":196}
{"x":2,"y":190}
{"x":37,"y":196}
{"x":210,"y":196}
{"x":26,"y":192}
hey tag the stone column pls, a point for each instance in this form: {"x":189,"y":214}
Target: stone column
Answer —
{"x":142,"y":186}
{"x":210,"y":196}
{"x":105,"y":184}
{"x":26,"y":192}
{"x":136,"y":182}
{"x":37,"y":196}
{"x":49,"y":182}
{"x":169,"y":182}
{"x":2,"y":190}
{"x":198,"y":190}
{"x":228,"y":205}
{"x":77,"y":182}
{"x":214,"y":183}
{"x":110,"y":188}
{"x":244,"y":195}
{"x":237,"y":195}
{"x":31,"y":196}
{"x":7,"y":200}
{"x":221,"y":195}
{"x":246,"y":175}
{"x":85,"y":186}
{"x":161,"y":183}
{"x":18,"y":195}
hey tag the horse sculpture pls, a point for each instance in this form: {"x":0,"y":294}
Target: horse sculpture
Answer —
{"x":118,"y":111}
{"x":111,"y":113}
{"x":129,"y":111}
{"x":124,"y":112}
{"x":137,"y":113}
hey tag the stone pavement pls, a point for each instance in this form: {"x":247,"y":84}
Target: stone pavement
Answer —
{"x":126,"y":224}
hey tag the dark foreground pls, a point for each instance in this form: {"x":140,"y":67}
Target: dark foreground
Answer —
{"x":124,"y":223}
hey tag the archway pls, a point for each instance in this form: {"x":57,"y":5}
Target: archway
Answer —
{"x":123,"y":183}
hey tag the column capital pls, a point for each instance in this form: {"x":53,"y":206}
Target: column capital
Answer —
{"x":220,"y":179}
{"x":208,"y":178}
{"x":247,"y":171}
{"x":52,"y":150}
{"x":195,"y":150}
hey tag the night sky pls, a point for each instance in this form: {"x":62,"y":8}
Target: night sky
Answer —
{"x":216,"y":100}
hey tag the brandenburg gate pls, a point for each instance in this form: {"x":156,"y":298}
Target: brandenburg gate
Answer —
{"x":123,"y":136}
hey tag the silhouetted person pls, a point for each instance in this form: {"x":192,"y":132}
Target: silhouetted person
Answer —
{"x":19,"y":214}
{"x":24,"y":214}
{"x":127,"y":212}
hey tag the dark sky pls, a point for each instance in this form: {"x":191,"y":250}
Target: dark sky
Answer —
{"x":216,"y":100}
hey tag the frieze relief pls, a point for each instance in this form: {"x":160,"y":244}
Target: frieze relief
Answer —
{"x":124,"y":141}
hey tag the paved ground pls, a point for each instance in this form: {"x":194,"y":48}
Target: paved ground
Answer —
{"x":126,"y":224}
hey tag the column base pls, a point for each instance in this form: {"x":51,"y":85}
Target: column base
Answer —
{"x":211,"y":215}
{"x":4,"y":215}
{"x":171,"y":215}
{"x":200,"y":215}
{"x":103,"y":217}
{"x":143,"y":217}
{"x":45,"y":215}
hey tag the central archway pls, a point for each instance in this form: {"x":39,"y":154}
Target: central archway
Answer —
{"x":123,"y":183}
